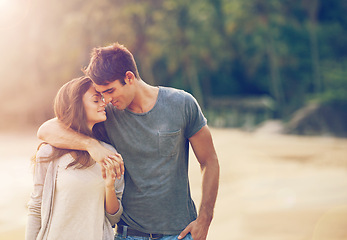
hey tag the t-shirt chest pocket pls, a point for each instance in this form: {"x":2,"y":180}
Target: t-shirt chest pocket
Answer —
{"x":169,"y":142}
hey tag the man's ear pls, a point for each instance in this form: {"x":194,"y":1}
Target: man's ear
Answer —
{"x":129,"y":77}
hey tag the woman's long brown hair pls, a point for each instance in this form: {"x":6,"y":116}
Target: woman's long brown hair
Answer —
{"x":69,"y":109}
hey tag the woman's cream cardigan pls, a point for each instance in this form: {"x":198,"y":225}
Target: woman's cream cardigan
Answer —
{"x":41,"y":201}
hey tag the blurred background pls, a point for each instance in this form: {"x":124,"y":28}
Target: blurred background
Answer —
{"x":259,"y":69}
{"x":246,"y":61}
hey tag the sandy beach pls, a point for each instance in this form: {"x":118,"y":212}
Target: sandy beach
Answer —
{"x":272,"y":187}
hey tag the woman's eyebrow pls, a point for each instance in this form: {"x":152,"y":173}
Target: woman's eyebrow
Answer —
{"x":97,"y":95}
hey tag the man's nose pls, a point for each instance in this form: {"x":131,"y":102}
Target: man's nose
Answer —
{"x":106,"y":99}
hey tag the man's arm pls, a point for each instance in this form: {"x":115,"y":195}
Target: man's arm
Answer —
{"x":205,"y":153}
{"x":57,"y":134}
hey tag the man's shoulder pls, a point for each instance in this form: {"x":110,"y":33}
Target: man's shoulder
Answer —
{"x":171,"y":90}
{"x":172,"y":93}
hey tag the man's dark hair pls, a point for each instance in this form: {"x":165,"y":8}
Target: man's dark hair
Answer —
{"x":110,"y":63}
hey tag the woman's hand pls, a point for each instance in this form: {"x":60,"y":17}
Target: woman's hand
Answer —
{"x":114,"y":164}
{"x":111,"y":201}
{"x":108,"y":174}
{"x":102,"y":155}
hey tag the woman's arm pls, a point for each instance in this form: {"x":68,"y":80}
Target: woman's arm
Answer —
{"x":113,"y":195}
{"x":113,"y":192}
{"x":34,"y":206}
{"x":111,"y":201}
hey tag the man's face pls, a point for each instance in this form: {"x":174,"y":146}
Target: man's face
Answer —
{"x":116,"y":93}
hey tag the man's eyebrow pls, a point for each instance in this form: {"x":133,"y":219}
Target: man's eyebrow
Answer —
{"x":107,"y":90}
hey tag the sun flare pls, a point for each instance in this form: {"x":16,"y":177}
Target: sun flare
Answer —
{"x":13,"y":12}
{"x":5,"y":5}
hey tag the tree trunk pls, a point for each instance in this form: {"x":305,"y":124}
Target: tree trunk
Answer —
{"x":312,"y":9}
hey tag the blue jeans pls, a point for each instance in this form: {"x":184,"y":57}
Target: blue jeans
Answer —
{"x":119,"y":237}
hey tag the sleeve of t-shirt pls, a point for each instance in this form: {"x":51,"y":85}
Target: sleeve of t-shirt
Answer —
{"x":195,"y":119}
{"x":100,"y":133}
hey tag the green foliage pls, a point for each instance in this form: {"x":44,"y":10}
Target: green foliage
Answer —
{"x":335,"y":82}
{"x":293,"y":51}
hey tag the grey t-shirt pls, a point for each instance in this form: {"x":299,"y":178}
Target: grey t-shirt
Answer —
{"x":154,"y":146}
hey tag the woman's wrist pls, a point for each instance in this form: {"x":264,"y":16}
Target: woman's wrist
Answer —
{"x":110,"y":187}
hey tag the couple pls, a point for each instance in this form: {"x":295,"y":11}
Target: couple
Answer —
{"x":151,"y":127}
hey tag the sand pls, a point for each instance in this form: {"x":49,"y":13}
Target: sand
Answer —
{"x":272,"y":187}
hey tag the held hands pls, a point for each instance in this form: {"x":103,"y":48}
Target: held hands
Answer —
{"x":111,"y":201}
{"x":112,"y":168}
{"x":108,"y":174}
{"x":108,"y":159}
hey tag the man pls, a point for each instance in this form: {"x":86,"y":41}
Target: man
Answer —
{"x":151,"y":127}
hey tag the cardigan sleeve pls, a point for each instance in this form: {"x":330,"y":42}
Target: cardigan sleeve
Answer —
{"x":119,"y":187}
{"x":34,"y":205}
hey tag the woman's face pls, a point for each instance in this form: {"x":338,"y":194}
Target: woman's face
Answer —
{"x":94,"y":107}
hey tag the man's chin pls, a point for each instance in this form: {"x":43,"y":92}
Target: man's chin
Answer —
{"x":118,"y":106}
{"x":114,"y":104}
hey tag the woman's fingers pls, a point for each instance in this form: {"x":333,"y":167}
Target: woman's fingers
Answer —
{"x":110,"y":175}
{"x":109,"y":168}
{"x":103,"y":171}
{"x":118,"y":164}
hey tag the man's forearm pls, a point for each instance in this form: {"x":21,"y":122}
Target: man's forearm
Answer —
{"x":57,"y":134}
{"x":199,"y":228}
{"x":210,"y":183}
{"x":206,"y":155}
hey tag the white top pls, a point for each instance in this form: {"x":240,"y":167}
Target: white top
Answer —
{"x":82,"y":182}
{"x":79,"y":214}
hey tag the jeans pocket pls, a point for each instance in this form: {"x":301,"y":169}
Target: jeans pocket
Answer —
{"x":169,"y":143}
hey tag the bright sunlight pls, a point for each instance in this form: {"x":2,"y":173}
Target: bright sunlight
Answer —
{"x":13,"y":12}
{"x":6,"y":5}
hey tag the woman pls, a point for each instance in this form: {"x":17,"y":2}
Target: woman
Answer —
{"x":71,"y":200}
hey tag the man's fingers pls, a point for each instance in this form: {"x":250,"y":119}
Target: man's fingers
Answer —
{"x":117,"y":169}
{"x":118,"y":164}
{"x":116,"y":157}
{"x":184,"y":232}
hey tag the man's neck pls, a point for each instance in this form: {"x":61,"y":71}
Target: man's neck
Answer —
{"x":145,"y":98}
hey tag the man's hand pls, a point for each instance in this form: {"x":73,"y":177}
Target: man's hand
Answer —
{"x":205,"y":153}
{"x":103,"y":156}
{"x":198,"y":229}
